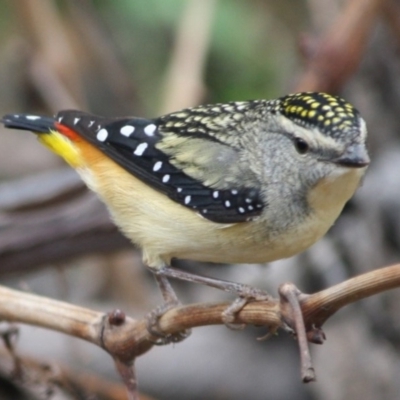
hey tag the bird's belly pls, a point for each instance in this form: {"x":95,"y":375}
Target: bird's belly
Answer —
{"x":185,"y":235}
{"x":246,"y":243}
{"x":165,"y":229}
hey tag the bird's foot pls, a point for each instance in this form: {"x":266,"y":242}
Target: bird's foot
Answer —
{"x":170,"y":301}
{"x":246,"y":294}
{"x":153,"y":326}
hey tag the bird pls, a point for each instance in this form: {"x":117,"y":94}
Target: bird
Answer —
{"x":239,"y":182}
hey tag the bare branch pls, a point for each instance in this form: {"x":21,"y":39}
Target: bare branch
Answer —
{"x":126,"y":338}
{"x":36,"y":377}
{"x":317,"y":308}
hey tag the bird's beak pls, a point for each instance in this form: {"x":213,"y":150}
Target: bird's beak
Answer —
{"x":355,"y":156}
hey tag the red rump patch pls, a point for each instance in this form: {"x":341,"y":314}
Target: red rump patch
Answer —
{"x":68,"y":132}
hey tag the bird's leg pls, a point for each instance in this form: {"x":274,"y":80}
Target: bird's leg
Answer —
{"x":246,"y":293}
{"x":167,"y":292}
{"x":170,"y":301}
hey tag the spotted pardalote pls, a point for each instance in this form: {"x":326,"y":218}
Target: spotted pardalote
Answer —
{"x":241,"y":182}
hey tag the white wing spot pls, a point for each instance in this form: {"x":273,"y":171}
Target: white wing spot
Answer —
{"x":76,"y":120}
{"x":216,"y":194}
{"x":157,"y":166}
{"x":187,"y":199}
{"x":250,"y":208}
{"x":241,"y":210}
{"x":234,"y":192}
{"x":90,"y":124}
{"x":127,"y":130}
{"x":247,"y":200}
{"x":140,"y":149}
{"x":205,"y":211}
{"x":150,"y":129}
{"x":165,"y":178}
{"x":32,"y":117}
{"x":227,"y":203}
{"x":179,"y":190}
{"x":102,"y":135}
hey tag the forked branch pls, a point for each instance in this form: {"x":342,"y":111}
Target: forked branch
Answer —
{"x":125,"y":338}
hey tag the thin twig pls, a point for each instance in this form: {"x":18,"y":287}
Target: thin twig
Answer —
{"x":291,"y":304}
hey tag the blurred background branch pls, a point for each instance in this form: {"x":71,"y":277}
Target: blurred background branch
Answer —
{"x":184,"y":81}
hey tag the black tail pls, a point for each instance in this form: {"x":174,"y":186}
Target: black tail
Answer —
{"x":28,"y":122}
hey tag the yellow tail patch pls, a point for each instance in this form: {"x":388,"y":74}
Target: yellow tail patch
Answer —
{"x":62,"y":146}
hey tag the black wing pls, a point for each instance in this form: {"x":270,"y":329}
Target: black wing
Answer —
{"x":136,"y":144}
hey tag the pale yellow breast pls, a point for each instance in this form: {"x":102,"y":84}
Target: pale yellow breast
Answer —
{"x":165,"y":229}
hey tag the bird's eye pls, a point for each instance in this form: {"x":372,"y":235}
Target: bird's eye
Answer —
{"x":301,"y":145}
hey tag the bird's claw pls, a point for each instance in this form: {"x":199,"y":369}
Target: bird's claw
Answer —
{"x":153,"y":326}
